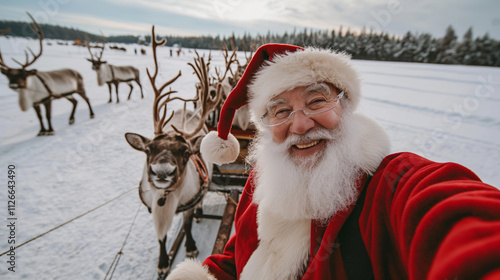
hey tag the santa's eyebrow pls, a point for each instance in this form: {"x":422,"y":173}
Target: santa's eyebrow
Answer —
{"x":275,"y":102}
{"x":318,"y":87}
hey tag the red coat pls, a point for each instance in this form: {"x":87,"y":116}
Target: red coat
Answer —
{"x":420,"y":220}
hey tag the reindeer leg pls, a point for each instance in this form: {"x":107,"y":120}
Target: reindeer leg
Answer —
{"x":198,"y":213}
{"x":116,"y":88}
{"x":130,"y":93}
{"x":84,"y":96}
{"x":48,"y":110}
{"x":109,"y":87}
{"x":39,"y":115}
{"x":191,"y":250}
{"x":140,"y":86}
{"x":163,"y":262}
{"x":74,"y":102}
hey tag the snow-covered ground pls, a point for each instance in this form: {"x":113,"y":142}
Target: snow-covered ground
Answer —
{"x":445,"y":113}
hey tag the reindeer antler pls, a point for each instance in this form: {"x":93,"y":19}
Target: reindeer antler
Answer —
{"x":249,"y":57}
{"x":2,"y":32}
{"x":38,"y":30}
{"x":102,"y":47}
{"x":87,"y":43}
{"x":228,"y":61}
{"x":207,"y":101}
{"x":161,"y":99}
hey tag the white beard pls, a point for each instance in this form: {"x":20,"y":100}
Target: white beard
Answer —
{"x":290,"y":191}
{"x":315,"y":187}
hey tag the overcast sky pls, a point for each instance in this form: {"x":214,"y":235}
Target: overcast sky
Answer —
{"x":223,"y":17}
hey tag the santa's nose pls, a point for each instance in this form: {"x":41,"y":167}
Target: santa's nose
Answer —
{"x":300,"y":122}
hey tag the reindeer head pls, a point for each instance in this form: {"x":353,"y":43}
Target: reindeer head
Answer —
{"x":17,"y":76}
{"x":96,"y":60}
{"x":169,"y":151}
{"x":167,"y":157}
{"x":96,"y":64}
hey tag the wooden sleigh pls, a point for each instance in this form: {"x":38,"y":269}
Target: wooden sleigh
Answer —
{"x":228,"y":179}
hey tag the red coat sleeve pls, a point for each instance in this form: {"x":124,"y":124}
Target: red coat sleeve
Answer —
{"x":244,"y":241}
{"x":428,"y":220}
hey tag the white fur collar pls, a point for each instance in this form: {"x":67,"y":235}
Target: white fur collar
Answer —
{"x":283,"y":249}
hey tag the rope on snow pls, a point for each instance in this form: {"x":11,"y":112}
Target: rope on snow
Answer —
{"x":63,"y":224}
{"x":118,"y":255}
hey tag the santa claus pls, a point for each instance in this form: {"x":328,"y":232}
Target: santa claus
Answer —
{"x":325,"y":200}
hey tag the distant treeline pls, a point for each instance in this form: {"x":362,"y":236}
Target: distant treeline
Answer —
{"x":449,"y":49}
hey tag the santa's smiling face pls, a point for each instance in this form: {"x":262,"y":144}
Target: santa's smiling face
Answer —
{"x":299,"y":131}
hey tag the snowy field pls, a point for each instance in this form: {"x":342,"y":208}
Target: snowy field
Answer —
{"x":445,"y":113}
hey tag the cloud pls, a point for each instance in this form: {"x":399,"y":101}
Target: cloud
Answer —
{"x":113,"y":27}
{"x":223,"y":17}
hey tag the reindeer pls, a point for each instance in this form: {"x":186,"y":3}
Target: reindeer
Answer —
{"x":111,"y":74}
{"x":37,"y":88}
{"x":171,"y":178}
{"x":242,"y":115}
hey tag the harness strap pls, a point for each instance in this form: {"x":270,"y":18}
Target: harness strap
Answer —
{"x":44,"y":84}
{"x":203,"y":173}
{"x":200,"y":167}
{"x":51,"y":94}
{"x":112,"y":73}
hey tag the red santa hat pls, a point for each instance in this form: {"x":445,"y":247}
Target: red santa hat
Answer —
{"x":273,"y":69}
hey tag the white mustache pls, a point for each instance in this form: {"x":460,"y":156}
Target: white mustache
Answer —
{"x":318,"y":134}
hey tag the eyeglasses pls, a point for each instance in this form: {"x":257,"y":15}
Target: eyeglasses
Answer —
{"x":281,"y":116}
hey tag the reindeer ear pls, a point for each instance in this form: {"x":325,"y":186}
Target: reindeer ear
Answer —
{"x":196,"y":143}
{"x":137,"y":141}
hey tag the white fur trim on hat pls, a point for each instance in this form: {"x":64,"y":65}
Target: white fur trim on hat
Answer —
{"x":302,"y":68}
{"x":190,"y":270}
{"x":219,"y":151}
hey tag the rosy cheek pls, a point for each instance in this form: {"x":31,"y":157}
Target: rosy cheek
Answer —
{"x":279,"y":133}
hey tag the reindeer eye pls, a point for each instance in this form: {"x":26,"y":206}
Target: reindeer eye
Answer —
{"x":147,"y":151}
{"x":172,"y":172}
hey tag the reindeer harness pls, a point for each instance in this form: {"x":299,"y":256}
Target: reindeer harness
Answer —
{"x":204,"y":180}
{"x":51,"y":93}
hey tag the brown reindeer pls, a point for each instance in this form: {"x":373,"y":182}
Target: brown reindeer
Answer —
{"x":171,"y":179}
{"x":241,"y":118}
{"x":111,"y":74}
{"x":219,"y":84}
{"x":37,"y":88}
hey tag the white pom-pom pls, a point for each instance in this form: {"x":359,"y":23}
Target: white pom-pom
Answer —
{"x":190,"y":270}
{"x":219,"y":151}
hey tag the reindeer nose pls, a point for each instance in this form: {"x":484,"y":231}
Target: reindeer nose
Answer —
{"x":162,"y":170}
